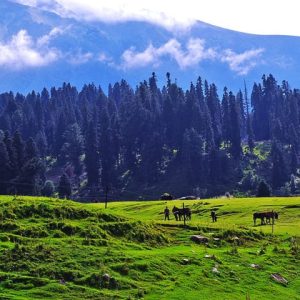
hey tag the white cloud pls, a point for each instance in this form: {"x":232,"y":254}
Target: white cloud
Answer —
{"x":191,"y":55}
{"x":104,"y":58}
{"x":241,"y":63}
{"x":157,"y":12}
{"x":194,"y":53}
{"x":45,"y":39}
{"x":22,"y":51}
{"x":132,"y":59}
{"x":27,"y":2}
{"x":80,"y":58}
{"x":255,"y":16}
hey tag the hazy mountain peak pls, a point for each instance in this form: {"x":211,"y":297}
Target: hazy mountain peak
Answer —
{"x":41,"y":48}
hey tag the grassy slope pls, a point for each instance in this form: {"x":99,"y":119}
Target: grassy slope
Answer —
{"x":232,"y":213}
{"x":43,"y":241}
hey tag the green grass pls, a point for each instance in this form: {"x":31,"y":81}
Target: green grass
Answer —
{"x":55,"y":249}
{"x":232,"y":213}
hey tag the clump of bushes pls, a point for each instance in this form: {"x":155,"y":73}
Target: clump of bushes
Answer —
{"x":263,"y":189}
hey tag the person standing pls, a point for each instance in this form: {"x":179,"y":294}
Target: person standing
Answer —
{"x":167,"y":213}
{"x":213,"y":216}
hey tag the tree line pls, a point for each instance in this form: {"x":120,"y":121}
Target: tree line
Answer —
{"x":142,"y":141}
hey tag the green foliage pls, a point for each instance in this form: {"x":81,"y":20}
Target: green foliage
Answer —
{"x":64,"y":187}
{"x":263,"y":190}
{"x":141,"y":142}
{"x":48,"y":188}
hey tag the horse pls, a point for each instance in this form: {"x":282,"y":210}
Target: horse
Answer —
{"x":262,"y":215}
{"x":258,"y":215}
{"x":182,"y":212}
{"x":271,"y":215}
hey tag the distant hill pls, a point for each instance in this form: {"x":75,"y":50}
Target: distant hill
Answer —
{"x":47,"y":50}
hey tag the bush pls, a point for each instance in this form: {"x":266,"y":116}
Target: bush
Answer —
{"x":64,"y":187}
{"x":263,"y":190}
{"x":48,"y":188}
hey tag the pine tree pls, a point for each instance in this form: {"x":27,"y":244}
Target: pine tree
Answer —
{"x":64,"y":187}
{"x":28,"y":181}
{"x":279,"y":173}
{"x":92,"y":155}
{"x":235,"y":136}
{"x":294,"y":161}
{"x":241,"y":113}
{"x":12,"y":170}
{"x":18,"y":148}
{"x":225,"y":118}
{"x":249,"y":128}
{"x":213,"y":104}
{"x":30,"y":150}
{"x":107,"y":164}
{"x":4,"y":166}
{"x":73,"y":146}
{"x":214,"y":166}
{"x":41,"y":143}
{"x":192,"y":151}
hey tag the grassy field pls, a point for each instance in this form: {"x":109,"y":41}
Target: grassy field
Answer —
{"x":59,"y":249}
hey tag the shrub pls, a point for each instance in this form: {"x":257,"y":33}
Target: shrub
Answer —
{"x":64,"y":187}
{"x":263,"y":189}
{"x":48,"y":188}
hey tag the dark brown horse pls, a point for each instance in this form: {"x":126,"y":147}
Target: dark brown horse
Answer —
{"x":182,"y":212}
{"x":269,"y":215}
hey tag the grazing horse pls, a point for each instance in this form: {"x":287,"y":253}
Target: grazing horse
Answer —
{"x":258,"y":215}
{"x":271,"y":216}
{"x":182,"y":212}
{"x":262,"y":215}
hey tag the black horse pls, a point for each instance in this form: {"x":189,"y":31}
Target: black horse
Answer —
{"x":269,"y":215}
{"x":182,"y":212}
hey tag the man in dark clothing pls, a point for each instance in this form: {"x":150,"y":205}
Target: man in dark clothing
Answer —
{"x":213,"y":216}
{"x":167,"y":213}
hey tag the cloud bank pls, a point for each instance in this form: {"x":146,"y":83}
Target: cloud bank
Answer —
{"x":190,"y":56}
{"x":162,"y":13}
{"x":22,"y":51}
{"x":194,"y":53}
{"x":242,"y":63}
{"x":230,"y":14}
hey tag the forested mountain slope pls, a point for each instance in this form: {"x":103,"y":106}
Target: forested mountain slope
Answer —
{"x":143,"y":141}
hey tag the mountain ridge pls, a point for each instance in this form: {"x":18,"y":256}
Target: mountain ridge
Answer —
{"x":102,"y":53}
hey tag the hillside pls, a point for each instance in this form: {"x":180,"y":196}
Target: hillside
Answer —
{"x":59,"y":249}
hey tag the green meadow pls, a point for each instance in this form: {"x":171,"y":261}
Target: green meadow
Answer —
{"x":59,"y":249}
